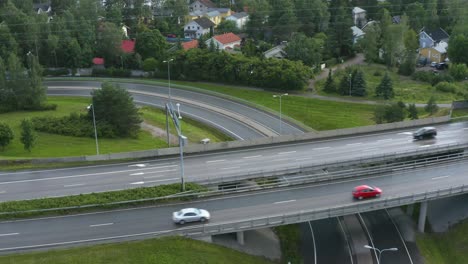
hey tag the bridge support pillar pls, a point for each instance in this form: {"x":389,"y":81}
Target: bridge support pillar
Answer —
{"x":410,"y":209}
{"x":240,"y":238}
{"x":422,"y":217}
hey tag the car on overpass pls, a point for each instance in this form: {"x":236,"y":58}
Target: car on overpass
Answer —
{"x":190,"y":215}
{"x":365,"y":191}
{"x":425,"y":132}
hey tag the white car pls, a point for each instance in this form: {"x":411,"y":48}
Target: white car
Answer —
{"x":190,"y":215}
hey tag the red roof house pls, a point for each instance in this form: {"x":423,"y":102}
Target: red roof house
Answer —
{"x":225,"y":40}
{"x":190,"y":44}
{"x":128,"y":46}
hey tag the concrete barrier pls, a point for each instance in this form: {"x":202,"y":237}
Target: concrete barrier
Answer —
{"x":198,"y":148}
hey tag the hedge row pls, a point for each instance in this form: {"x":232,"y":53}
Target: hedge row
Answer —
{"x":111,"y":72}
{"x":19,"y":207}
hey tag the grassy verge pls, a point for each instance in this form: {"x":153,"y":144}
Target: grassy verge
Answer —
{"x":448,"y":247}
{"x":173,"y":250}
{"x":19,"y":207}
{"x":290,"y":239}
{"x":51,"y":145}
{"x":460,"y":112}
{"x":406,"y":89}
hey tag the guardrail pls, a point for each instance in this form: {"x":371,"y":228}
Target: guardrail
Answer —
{"x":316,"y":214}
{"x":363,"y":161}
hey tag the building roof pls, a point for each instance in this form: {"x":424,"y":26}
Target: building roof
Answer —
{"x":204,"y":22}
{"x":98,"y":61}
{"x":357,"y":10}
{"x":227,"y":38}
{"x":43,"y":7}
{"x":240,"y":15}
{"x":128,"y":46}
{"x":437,"y":34}
{"x":207,"y":3}
{"x":213,"y":13}
{"x":220,"y":9}
{"x":357,"y":32}
{"x":190,"y":44}
{"x":197,"y":13}
{"x":396,"y":19}
{"x":441,"y":47}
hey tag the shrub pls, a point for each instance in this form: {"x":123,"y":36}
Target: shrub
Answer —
{"x":423,"y":76}
{"x":458,"y":71}
{"x":446,"y":87}
{"x":111,"y":72}
{"x":377,"y":73}
{"x":55,"y":72}
{"x":6,"y":135}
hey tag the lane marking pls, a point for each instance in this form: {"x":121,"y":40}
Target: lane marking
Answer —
{"x":230,"y":168}
{"x":384,"y":140}
{"x":214,"y":161}
{"x":152,"y":172}
{"x":81,"y":175}
{"x":305,"y":159}
{"x":354,"y":144}
{"x":425,"y":146}
{"x":74,"y":185}
{"x":287,"y":152}
{"x":281,"y":202}
{"x":106,"y":224}
{"x":2,"y":192}
{"x":138,"y":165}
{"x":136,"y":174}
{"x":9,"y":234}
{"x":252,"y":157}
{"x":440,"y":177}
{"x":321,"y":148}
{"x":405,"y":133}
{"x":137,"y":183}
{"x":466,"y":128}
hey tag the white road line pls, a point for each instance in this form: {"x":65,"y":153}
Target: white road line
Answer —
{"x":2,"y":192}
{"x":288,"y":201}
{"x":384,"y":140}
{"x":425,"y":146}
{"x":136,"y":174}
{"x":74,"y":185}
{"x":252,"y":157}
{"x":163,"y":180}
{"x":405,"y":133}
{"x":80,"y":175}
{"x":106,"y":224}
{"x":213,"y":161}
{"x":466,"y":128}
{"x":138,"y":165}
{"x":9,"y":234}
{"x":138,"y":183}
{"x":305,"y":159}
{"x":354,"y":144}
{"x":286,"y":152}
{"x":230,"y":168}
{"x":313,"y":242}
{"x":321,"y":148}
{"x":440,"y":177}
{"x":153,"y":172}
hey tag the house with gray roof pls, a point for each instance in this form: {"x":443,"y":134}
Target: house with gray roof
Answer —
{"x":198,"y":27}
{"x":240,"y":19}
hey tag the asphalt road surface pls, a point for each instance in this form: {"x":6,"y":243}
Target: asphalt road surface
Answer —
{"x":148,"y":221}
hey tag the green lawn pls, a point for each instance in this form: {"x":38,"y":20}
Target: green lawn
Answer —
{"x":51,"y":145}
{"x":170,"y":250}
{"x":406,"y":89}
{"x":446,"y":248}
{"x":459,"y":112}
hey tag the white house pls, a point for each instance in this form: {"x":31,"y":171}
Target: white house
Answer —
{"x":239,"y":18}
{"x":201,"y":5}
{"x":198,"y":27}
{"x":359,"y":16}
{"x":225,"y":41}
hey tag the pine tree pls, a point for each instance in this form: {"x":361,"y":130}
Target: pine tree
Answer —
{"x":345,"y":84}
{"x":412,"y":112}
{"x":385,"y":88}
{"x":431,"y":106}
{"x":330,"y":86}
{"x":28,"y":136}
{"x":358,"y":84}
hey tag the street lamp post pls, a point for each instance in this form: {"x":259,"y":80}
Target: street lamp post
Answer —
{"x":182,"y":139}
{"x":169,"y":76}
{"x":380,"y":251}
{"x":280,"y":96}
{"x":350,"y":80}
{"x":95,"y":130}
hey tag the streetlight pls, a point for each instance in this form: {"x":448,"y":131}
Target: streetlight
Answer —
{"x":91,"y":106}
{"x":350,"y":80}
{"x":380,"y":251}
{"x":169,"y":76}
{"x":280,"y":96}
{"x":182,"y":139}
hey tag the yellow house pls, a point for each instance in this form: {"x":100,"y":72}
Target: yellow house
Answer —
{"x":214,"y":16}
{"x":438,"y":53}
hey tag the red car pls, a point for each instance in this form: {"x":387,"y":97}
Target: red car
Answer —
{"x":365,"y":191}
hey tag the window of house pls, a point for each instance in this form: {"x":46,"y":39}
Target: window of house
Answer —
{"x":198,"y":27}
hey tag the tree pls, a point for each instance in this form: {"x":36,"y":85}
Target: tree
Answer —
{"x":6,"y":135}
{"x":150,"y":44}
{"x":114,"y":106}
{"x":308,"y":50}
{"x":28,"y":136}
{"x":431,"y":106}
{"x":36,"y":94}
{"x":385,"y":88}
{"x":227,"y":26}
{"x":345,"y":84}
{"x":412,"y":112}
{"x":314,"y":16}
{"x":109,"y":43}
{"x":416,"y":14}
{"x":257,"y":25}
{"x":150,"y":64}
{"x":370,"y":43}
{"x":458,"y":71}
{"x":389,"y":113}
{"x":283,"y":19}
{"x":330,"y":86}
{"x":340,"y":35}
{"x":358,"y":84}
{"x":410,"y":40}
{"x":458,"y":45}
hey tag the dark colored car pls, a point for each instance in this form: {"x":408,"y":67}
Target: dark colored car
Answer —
{"x":425,"y":132}
{"x":365,"y":191}
{"x":441,"y":66}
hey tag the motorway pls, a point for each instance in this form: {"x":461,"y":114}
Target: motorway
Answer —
{"x":149,"y":221}
{"x":61,"y":182}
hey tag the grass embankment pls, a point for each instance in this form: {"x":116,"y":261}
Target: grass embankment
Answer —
{"x":290,"y":239}
{"x":93,"y":199}
{"x":406,"y":89}
{"x":51,"y":145}
{"x":169,"y":250}
{"x":460,"y":113}
{"x":446,"y":248}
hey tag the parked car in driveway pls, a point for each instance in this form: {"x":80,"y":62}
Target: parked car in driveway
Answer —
{"x":365,"y":191}
{"x":425,"y":132}
{"x":190,"y":215}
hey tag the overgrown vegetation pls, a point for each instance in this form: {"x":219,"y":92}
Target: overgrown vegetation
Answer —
{"x":290,"y":238}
